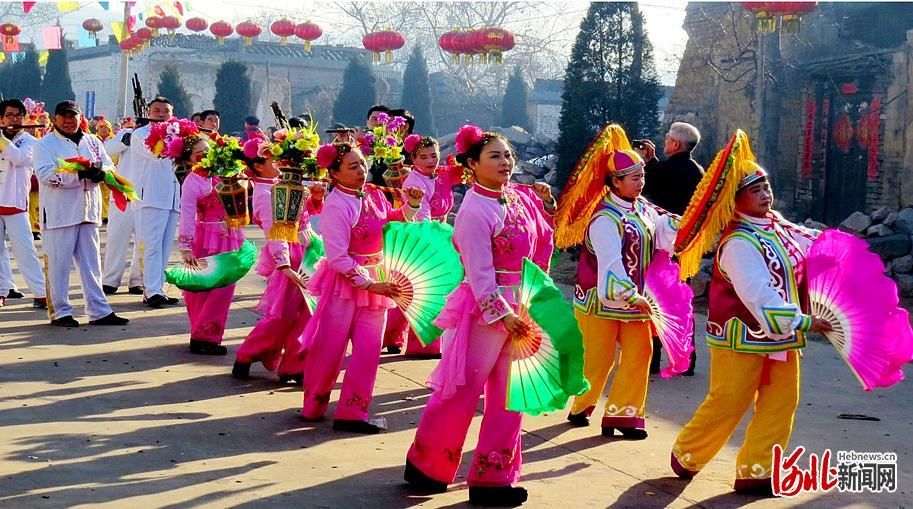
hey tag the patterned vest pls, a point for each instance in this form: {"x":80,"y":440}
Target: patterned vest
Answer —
{"x":729,"y":323}
{"x":637,"y":233}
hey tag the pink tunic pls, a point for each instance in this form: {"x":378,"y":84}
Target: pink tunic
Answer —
{"x":203,"y":231}
{"x":438,"y":189}
{"x":352,"y":229}
{"x":492,"y":238}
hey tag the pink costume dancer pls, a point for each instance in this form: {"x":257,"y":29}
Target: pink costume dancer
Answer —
{"x":202,"y":231}
{"x":438,"y":187}
{"x":353,"y":304}
{"x":493,"y":231}
{"x":285,"y":313}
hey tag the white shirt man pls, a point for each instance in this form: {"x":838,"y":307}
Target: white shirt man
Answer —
{"x":160,"y":203}
{"x":70,"y":216}
{"x":122,"y":225}
{"x":15,"y":180}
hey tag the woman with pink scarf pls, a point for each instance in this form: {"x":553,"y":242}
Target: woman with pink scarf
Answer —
{"x":437,"y":182}
{"x":498,"y":225}
{"x":275,"y":340}
{"x":349,"y":283}
{"x":202,"y":231}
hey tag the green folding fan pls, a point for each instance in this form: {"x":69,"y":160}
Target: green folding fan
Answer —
{"x":546,"y":365}
{"x":421,"y":258}
{"x":313,"y":254}
{"x":215,"y":271}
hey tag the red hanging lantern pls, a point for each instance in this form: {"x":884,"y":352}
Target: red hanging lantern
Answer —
{"x":196,"y":24}
{"x":765,"y":22}
{"x":371,"y":43}
{"x":154,"y":23}
{"x":308,"y":32}
{"x":10,"y":32}
{"x":475,"y":45}
{"x":460,"y":43}
{"x":446,"y":42}
{"x":144,"y":35}
{"x":221,"y":29}
{"x":790,"y":13}
{"x":495,"y":41}
{"x":171,"y":23}
{"x":93,"y":26}
{"x":283,"y":29}
{"x":389,"y":41}
{"x":248,"y":30}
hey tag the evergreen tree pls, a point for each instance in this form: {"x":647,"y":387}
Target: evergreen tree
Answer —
{"x":6,"y":79}
{"x":56,"y":86}
{"x":232,"y":99}
{"x":417,"y":93}
{"x":356,"y":95}
{"x":25,"y":77}
{"x":514,"y":106}
{"x":170,"y":86}
{"x":610,"y":78}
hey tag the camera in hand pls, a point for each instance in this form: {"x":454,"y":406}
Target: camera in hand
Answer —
{"x":639,"y":144}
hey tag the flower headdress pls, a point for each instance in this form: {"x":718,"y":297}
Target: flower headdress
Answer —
{"x":468,"y":136}
{"x":331,"y":154}
{"x":257,"y":148}
{"x":413,"y":143}
{"x":713,"y":204}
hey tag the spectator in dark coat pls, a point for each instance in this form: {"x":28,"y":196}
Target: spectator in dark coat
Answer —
{"x":670,"y":185}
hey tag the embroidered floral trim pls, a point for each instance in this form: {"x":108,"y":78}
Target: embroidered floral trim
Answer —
{"x":185,"y":242}
{"x":359,"y":277}
{"x":498,"y":460}
{"x":756,"y":471}
{"x":493,"y":307}
{"x":624,"y":411}
{"x":359,"y":401}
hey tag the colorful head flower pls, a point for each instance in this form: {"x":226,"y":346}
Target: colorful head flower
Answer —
{"x":468,"y":136}
{"x":411,"y":143}
{"x":326,"y":155}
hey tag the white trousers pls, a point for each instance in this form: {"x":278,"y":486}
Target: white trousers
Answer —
{"x":121,"y":226}
{"x":63,"y":246}
{"x":19,"y":230}
{"x":155,"y":231}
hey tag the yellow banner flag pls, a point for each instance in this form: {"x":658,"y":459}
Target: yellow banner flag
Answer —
{"x":2,"y":57}
{"x":119,"y":30}
{"x":43,"y":57}
{"x":67,"y":6}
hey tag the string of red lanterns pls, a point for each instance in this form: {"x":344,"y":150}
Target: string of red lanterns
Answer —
{"x":489,"y":44}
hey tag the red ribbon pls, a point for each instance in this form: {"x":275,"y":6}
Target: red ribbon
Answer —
{"x":808,"y":137}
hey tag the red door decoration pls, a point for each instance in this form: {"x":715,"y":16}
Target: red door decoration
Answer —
{"x":808,"y":136}
{"x":873,"y":137}
{"x":843,"y":133}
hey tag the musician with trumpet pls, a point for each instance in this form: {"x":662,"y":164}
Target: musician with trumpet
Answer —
{"x":16,"y":171}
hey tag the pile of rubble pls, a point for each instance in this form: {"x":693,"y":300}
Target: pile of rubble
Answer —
{"x":890,"y":235}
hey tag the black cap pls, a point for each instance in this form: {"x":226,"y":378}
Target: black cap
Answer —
{"x":67,"y":107}
{"x":339,"y":128}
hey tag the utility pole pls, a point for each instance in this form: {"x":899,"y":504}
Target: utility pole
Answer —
{"x":124,"y":62}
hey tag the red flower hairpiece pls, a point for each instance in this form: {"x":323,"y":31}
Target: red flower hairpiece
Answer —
{"x":411,"y":143}
{"x":468,"y":136}
{"x":326,"y":155}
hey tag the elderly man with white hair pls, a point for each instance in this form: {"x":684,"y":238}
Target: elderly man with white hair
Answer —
{"x":670,"y":184}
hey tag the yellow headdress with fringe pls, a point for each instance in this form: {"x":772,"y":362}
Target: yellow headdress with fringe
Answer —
{"x":713,"y":204}
{"x":587,"y":187}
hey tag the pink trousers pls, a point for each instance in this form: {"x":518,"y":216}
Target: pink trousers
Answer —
{"x":438,"y":443}
{"x":278,"y":331}
{"x":339,"y":322}
{"x":398,"y":328}
{"x":208,"y":312}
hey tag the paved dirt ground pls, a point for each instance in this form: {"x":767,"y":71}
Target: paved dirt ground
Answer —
{"x":127,"y":417}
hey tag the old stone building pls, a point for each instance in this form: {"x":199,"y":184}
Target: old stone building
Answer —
{"x":832,"y":118}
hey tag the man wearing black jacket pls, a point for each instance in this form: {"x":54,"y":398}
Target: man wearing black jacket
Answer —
{"x":670,"y":184}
